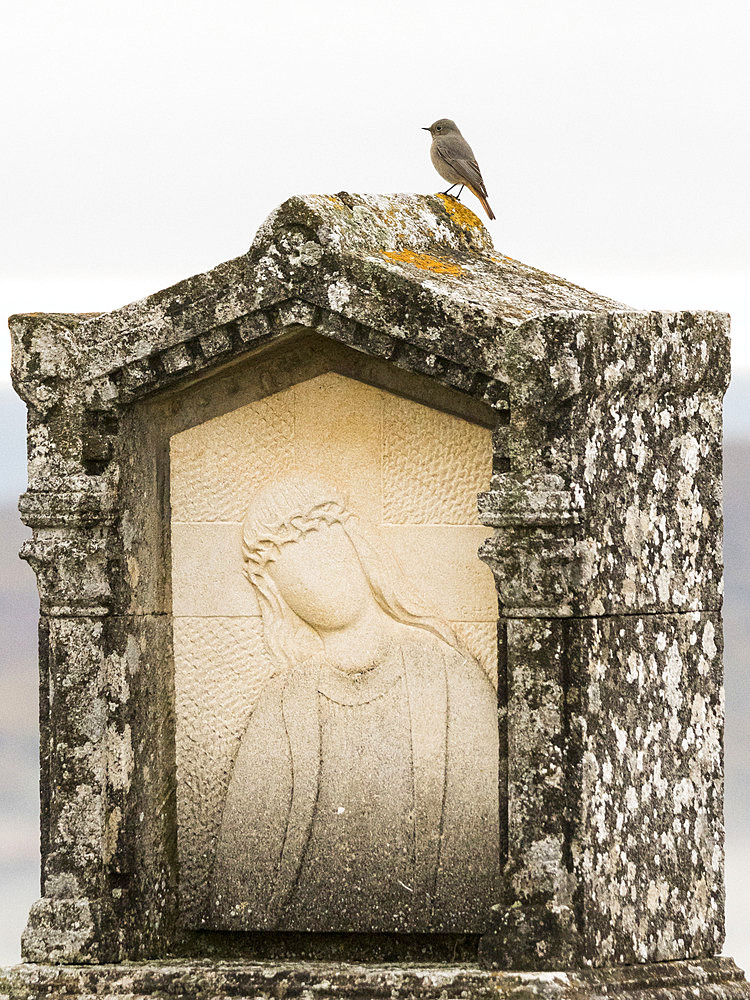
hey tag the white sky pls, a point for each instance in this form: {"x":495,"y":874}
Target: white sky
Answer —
{"x":145,"y":141}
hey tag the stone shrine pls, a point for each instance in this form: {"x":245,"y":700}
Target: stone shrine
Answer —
{"x":380,"y":631}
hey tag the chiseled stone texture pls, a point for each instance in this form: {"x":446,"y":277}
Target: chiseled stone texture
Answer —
{"x":605,"y":513}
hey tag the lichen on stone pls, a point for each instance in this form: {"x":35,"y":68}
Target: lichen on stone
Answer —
{"x":423,"y":261}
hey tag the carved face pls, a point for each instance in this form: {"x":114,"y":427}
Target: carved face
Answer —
{"x":321,"y":579}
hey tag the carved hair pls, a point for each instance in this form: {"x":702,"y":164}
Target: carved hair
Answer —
{"x":283,"y":513}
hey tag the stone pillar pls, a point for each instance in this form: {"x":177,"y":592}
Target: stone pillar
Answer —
{"x":607,"y":556}
{"x":107,"y":785}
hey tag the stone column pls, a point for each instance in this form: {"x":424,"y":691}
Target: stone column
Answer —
{"x":96,"y":658}
{"x":607,"y":556}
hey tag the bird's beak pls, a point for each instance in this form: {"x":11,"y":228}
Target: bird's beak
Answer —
{"x":425,"y":129}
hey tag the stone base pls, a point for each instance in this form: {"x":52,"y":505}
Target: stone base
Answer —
{"x":714,"y":978}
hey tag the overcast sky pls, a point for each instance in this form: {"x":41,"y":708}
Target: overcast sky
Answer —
{"x":146,"y":141}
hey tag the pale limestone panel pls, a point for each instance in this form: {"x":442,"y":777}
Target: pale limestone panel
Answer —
{"x":338,"y":428}
{"x":365,"y":801}
{"x":207,"y":571}
{"x":480,"y":639}
{"x":221,"y":665}
{"x":434,"y":464}
{"x":218,"y":465}
{"x":442,"y":562}
{"x":364,"y":442}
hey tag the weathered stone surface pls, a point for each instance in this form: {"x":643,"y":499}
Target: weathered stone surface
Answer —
{"x":107,"y":839}
{"x":614,"y":791}
{"x":613,"y":499}
{"x":421,"y":268}
{"x":605,"y":510}
{"x":717,"y":978}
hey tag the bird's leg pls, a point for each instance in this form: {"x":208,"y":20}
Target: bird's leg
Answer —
{"x":458,"y":196}
{"x":449,"y":189}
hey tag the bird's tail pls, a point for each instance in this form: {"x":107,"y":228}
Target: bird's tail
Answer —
{"x":486,"y":206}
{"x":482,"y":198}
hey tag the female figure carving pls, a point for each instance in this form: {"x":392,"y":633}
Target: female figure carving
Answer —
{"x":364,"y":795}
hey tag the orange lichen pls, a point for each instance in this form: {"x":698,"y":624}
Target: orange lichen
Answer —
{"x":423,"y":261}
{"x":462,"y":216}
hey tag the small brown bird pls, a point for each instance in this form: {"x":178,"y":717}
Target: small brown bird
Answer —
{"x":454,"y":160}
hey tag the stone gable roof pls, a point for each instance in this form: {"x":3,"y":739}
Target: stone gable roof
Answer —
{"x":418,"y":270}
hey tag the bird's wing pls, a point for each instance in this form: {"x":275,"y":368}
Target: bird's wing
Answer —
{"x":468,"y":168}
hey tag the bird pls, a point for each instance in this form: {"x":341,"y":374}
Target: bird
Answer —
{"x":454,"y":160}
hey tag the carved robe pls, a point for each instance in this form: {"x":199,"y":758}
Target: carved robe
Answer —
{"x":365,"y":802}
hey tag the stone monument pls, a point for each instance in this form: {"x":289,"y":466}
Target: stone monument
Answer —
{"x":380,"y":634}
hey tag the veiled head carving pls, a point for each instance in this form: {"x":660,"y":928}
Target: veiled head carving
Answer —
{"x":314,"y":564}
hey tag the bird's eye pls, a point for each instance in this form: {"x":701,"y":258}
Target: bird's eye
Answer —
{"x":440,"y":128}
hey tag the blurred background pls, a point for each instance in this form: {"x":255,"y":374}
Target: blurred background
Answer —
{"x":146,"y":141}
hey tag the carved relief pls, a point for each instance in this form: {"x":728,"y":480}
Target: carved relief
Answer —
{"x":364,"y":795}
{"x":342,"y":433}
{"x":419,"y":440}
{"x":225,"y":459}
